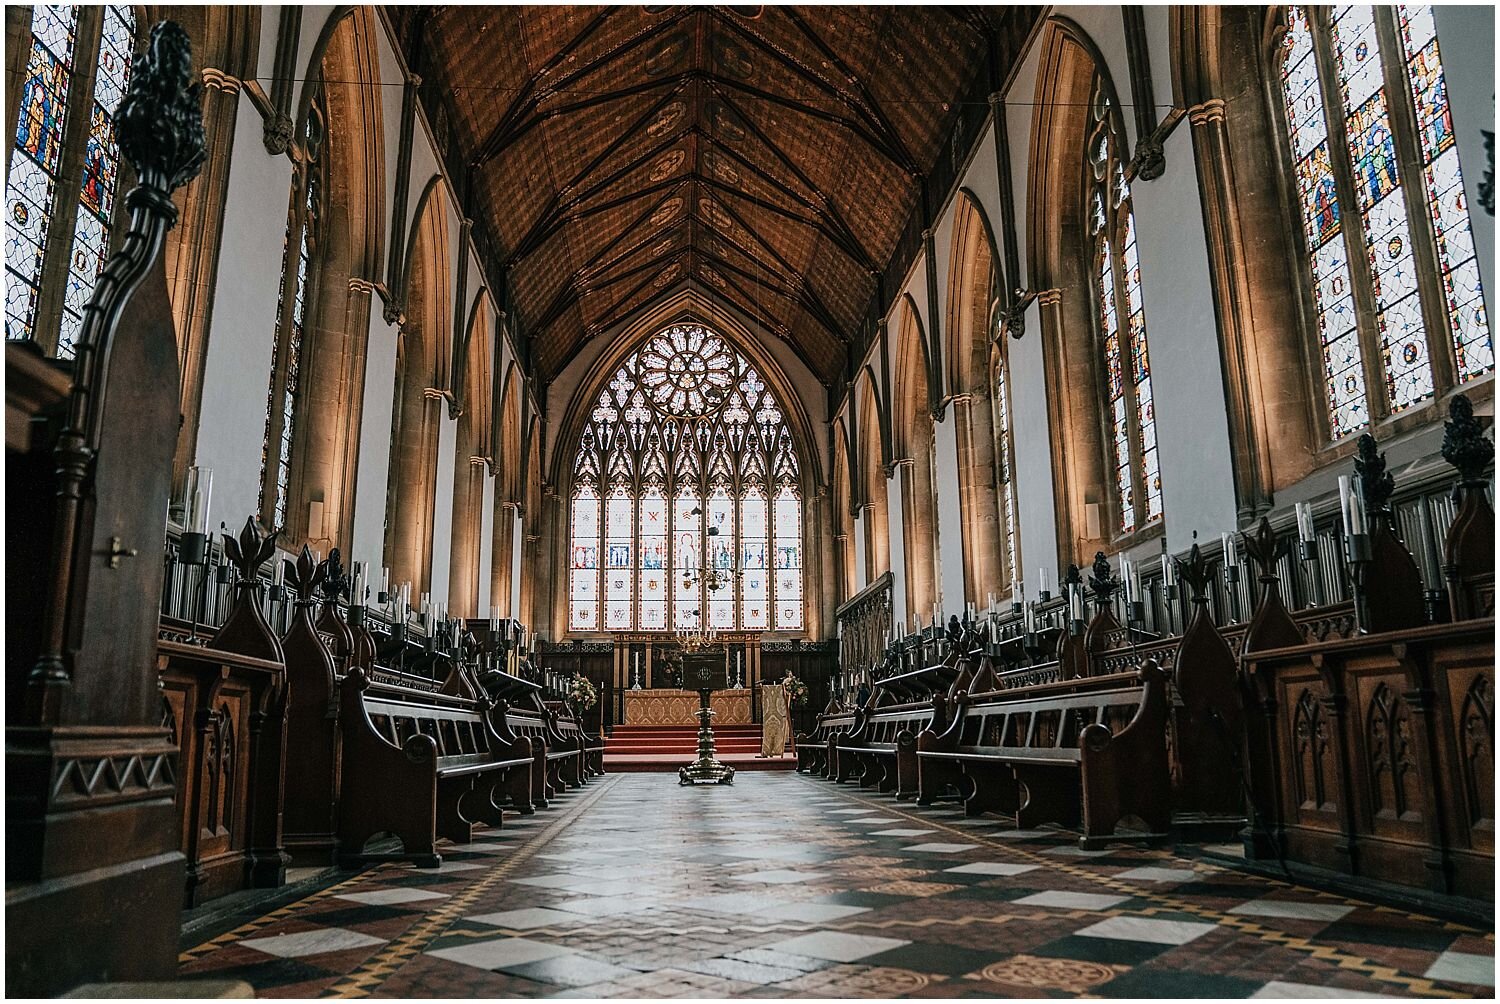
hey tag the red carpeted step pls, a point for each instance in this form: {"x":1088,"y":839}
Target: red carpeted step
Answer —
{"x":664,"y":748}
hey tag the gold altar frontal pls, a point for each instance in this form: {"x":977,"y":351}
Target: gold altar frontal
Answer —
{"x":680,"y":707}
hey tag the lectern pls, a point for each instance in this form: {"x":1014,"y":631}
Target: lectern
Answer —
{"x":705,"y":671}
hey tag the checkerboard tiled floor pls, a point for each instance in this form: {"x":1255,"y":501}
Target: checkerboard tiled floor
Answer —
{"x":780,"y":887}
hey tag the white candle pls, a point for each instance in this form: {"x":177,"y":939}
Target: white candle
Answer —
{"x":279,"y":575}
{"x":1351,"y":502}
{"x":1168,"y":570}
{"x":1041,"y":578}
{"x":1231,"y":557}
{"x":1306,"y":532}
{"x":197,"y":500}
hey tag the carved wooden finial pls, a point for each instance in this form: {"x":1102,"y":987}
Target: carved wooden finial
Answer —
{"x":305,"y":576}
{"x":335,"y":580}
{"x":1194,"y":571}
{"x":1464,"y":445}
{"x":251,"y":550}
{"x":1369,"y":467}
{"x":160,"y":120}
{"x":1102,"y":581}
{"x":1265,"y":548}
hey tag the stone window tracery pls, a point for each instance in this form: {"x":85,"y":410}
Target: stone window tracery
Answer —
{"x":686,"y":467}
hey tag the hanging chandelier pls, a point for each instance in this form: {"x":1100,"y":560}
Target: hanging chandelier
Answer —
{"x":705,"y":635}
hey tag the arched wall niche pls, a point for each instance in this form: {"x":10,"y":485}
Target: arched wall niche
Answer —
{"x":912,"y":428}
{"x":472,"y":461}
{"x":971,"y":298}
{"x":1059,"y":262}
{"x":508,"y":483}
{"x":842,"y":508}
{"x":418,"y":405}
{"x":873,"y":496}
{"x":343,"y":85}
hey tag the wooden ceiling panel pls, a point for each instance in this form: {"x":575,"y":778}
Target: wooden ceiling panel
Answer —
{"x":768,"y":156}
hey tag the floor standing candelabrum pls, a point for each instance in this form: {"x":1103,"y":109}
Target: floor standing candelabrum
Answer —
{"x":706,"y":671}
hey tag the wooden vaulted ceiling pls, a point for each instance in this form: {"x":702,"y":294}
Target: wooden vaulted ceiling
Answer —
{"x":769,"y":156}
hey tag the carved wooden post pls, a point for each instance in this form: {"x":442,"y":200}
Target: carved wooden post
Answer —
{"x":311,"y":789}
{"x":1390,"y":582}
{"x":86,"y":751}
{"x":336,"y":633}
{"x":1469,"y":551}
{"x":245,"y":631}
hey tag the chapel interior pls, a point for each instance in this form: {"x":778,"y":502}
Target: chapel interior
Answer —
{"x":720,"y":501}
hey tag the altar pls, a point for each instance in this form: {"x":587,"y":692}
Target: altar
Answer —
{"x":663,"y":706}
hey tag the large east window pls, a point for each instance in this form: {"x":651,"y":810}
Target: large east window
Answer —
{"x":1395,"y":279}
{"x":686,"y":479}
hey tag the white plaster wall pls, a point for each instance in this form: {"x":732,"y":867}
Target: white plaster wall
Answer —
{"x":950,"y":521}
{"x":486,"y":547}
{"x":1466,"y":41}
{"x":442,"y":510}
{"x":374,"y":442}
{"x":896,"y":518}
{"x":861,"y":580}
{"x":1192,"y":423}
{"x":517,"y":545}
{"x":237,"y":361}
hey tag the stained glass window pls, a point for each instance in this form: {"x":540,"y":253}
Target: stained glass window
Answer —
{"x":700,"y":486}
{"x":1129,"y":403}
{"x":1443,"y":184}
{"x":101,"y":169}
{"x":1002,"y":440}
{"x":30,"y":190}
{"x":1376,"y":204}
{"x":286,"y":360}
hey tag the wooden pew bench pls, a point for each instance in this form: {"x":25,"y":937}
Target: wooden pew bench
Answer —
{"x":552,"y":765}
{"x":882,"y":750}
{"x":1083,"y":752}
{"x":813,"y":747}
{"x":420,"y":767}
{"x":590,"y":759}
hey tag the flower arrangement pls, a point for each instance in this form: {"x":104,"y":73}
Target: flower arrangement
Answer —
{"x":581,"y":693}
{"x":796,"y":691}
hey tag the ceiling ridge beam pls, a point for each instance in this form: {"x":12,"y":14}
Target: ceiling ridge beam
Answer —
{"x":886,"y":127}
{"x":863,"y":257}
{"x":861,"y":131}
{"x":855,"y":253}
{"x":554,"y":207}
{"x":524,"y":96}
{"x":499,"y":136}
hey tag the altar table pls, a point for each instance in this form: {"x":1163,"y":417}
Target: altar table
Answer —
{"x":662,"y":706}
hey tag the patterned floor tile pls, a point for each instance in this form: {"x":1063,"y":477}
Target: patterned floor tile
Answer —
{"x":633,"y":887}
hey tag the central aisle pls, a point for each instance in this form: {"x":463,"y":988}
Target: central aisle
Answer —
{"x":785,"y":886}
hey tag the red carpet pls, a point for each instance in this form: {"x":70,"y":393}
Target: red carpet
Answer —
{"x":667,"y":747}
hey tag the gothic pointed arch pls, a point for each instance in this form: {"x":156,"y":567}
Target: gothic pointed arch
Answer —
{"x":473,"y":458}
{"x":339,"y":152}
{"x":1083,"y":257}
{"x":912,"y":431}
{"x":979,"y":382}
{"x":507,"y":491}
{"x":419,"y":399}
